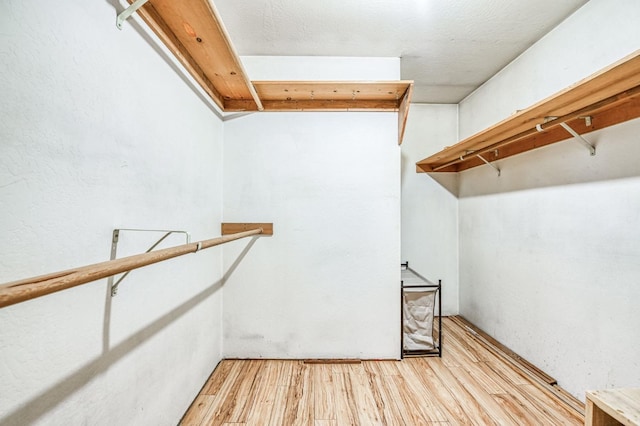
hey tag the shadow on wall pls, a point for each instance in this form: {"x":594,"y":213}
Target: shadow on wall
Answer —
{"x":565,"y":163}
{"x":448,"y":181}
{"x":50,"y":398}
{"x":169,"y":60}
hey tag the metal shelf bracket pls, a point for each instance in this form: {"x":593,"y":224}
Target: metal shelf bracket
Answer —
{"x":576,"y":135}
{"x":125,"y":14}
{"x":489,"y":164}
{"x":580,"y":138}
{"x":114,"y":249}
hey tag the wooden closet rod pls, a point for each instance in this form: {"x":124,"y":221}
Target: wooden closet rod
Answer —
{"x":30,"y":288}
{"x":607,"y":102}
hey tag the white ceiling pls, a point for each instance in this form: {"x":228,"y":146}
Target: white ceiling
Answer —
{"x":449,"y":47}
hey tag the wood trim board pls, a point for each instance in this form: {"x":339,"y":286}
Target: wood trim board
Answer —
{"x":234,"y":228}
{"x":609,"y":96}
{"x":193,"y":31}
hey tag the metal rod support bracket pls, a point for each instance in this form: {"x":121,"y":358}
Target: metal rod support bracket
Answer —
{"x":114,"y":250}
{"x":489,"y":164}
{"x":579,"y":138}
{"x":125,"y":14}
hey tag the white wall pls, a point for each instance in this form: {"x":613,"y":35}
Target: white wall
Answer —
{"x":97,"y":131}
{"x":429,"y":202}
{"x":549,"y":251}
{"x":595,"y":36}
{"x":326,"y":285}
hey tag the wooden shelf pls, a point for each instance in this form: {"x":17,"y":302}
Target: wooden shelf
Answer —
{"x":195,"y":34}
{"x":609,"y":97}
{"x":329,"y":95}
{"x":613,"y":407}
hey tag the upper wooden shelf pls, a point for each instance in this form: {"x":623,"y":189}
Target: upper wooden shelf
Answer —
{"x":608,"y":97}
{"x":328,"y":95}
{"x":195,"y":34}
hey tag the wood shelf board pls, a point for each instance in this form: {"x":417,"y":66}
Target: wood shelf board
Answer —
{"x":193,"y":32}
{"x":600,"y":120}
{"x":234,"y":228}
{"x":620,"y":77}
{"x":278,"y":96}
{"x":403,"y":112}
{"x":622,"y":405}
{"x":316,"y":105}
{"x":332,"y":90}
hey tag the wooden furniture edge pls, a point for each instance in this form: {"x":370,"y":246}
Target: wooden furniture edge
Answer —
{"x":403,"y":112}
{"x":597,"y":401}
{"x":235,"y":227}
{"x":157,"y":24}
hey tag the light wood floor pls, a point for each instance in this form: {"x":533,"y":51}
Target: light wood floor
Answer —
{"x":470,"y":384}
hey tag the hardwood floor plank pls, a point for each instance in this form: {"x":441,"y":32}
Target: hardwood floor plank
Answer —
{"x":551,"y":405}
{"x":198,"y":410}
{"x":217,"y":378}
{"x":245,"y":398}
{"x":459,"y":344}
{"x":285,"y":369}
{"x":365,"y":402}
{"x":469,"y":404}
{"x":472,"y":384}
{"x":226,"y":400}
{"x":515,"y":396}
{"x":423,"y":395}
{"x":505,"y":372}
{"x":298,"y":409}
{"x":442,"y":397}
{"x":345,"y":404}
{"x":265,"y":395}
{"x":323,"y":393}
{"x":279,"y":405}
{"x":389,"y":368}
{"x":325,"y":423}
{"x":520,"y":413}
{"x":387,"y":408}
{"x":462,"y":335}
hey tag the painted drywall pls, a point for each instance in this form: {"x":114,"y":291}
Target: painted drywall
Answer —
{"x":549,"y":251}
{"x":597,"y":35}
{"x":98,"y":131}
{"x":326,"y":285}
{"x":429,"y":202}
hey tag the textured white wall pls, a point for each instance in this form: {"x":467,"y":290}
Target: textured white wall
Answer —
{"x":549,"y":251}
{"x":326,"y":285}
{"x":429,"y":202}
{"x":97,"y":131}
{"x":595,"y":36}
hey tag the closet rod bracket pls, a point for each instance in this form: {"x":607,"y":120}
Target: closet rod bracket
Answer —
{"x":580,"y":138}
{"x":125,"y":14}
{"x":114,"y":249}
{"x":489,"y":164}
